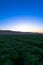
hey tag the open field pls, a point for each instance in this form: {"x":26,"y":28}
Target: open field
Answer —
{"x":21,"y":49}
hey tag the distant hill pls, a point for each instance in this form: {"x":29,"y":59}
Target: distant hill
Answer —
{"x":9,"y":32}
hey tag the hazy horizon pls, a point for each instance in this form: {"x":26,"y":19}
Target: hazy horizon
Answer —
{"x":21,"y":15}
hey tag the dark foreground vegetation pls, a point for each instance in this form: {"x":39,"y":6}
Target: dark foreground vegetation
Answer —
{"x":21,"y":49}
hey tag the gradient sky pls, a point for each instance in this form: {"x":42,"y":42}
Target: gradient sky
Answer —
{"x":21,"y":15}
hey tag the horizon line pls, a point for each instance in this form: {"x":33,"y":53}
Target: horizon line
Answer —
{"x":23,"y":31}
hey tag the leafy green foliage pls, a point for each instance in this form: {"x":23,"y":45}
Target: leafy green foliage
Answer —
{"x":21,"y":49}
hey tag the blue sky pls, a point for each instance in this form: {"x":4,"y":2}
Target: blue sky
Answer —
{"x":21,"y":15}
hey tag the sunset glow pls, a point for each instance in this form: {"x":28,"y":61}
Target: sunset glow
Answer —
{"x":20,"y":15}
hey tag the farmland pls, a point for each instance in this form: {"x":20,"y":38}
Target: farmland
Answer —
{"x":21,"y":49}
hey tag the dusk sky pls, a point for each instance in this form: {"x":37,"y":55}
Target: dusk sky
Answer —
{"x":21,"y":15}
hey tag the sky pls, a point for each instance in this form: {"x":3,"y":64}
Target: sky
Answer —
{"x":21,"y":15}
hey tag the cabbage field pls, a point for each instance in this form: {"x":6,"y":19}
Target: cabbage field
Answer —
{"x":21,"y":49}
